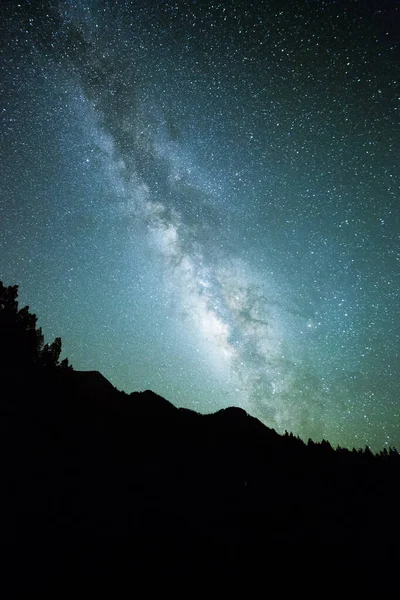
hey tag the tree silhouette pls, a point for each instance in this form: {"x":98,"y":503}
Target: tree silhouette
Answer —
{"x":21,"y":341}
{"x":50,"y":353}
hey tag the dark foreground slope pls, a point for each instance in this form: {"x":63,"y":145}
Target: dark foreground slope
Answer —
{"x":103,"y":490}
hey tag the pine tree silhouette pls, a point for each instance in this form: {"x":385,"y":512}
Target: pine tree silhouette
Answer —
{"x":21,"y":341}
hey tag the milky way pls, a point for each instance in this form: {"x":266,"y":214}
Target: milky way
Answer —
{"x":203,"y":199}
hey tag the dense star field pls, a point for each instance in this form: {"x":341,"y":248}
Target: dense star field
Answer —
{"x":203,"y":199}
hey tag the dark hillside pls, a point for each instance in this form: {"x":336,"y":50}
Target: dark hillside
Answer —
{"x":97,"y":479}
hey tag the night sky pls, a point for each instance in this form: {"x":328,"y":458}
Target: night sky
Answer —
{"x":202,"y":198}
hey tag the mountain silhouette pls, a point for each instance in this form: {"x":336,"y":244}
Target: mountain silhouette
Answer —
{"x":104,"y":492}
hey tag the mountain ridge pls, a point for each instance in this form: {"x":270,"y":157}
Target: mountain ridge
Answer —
{"x":89,"y":459}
